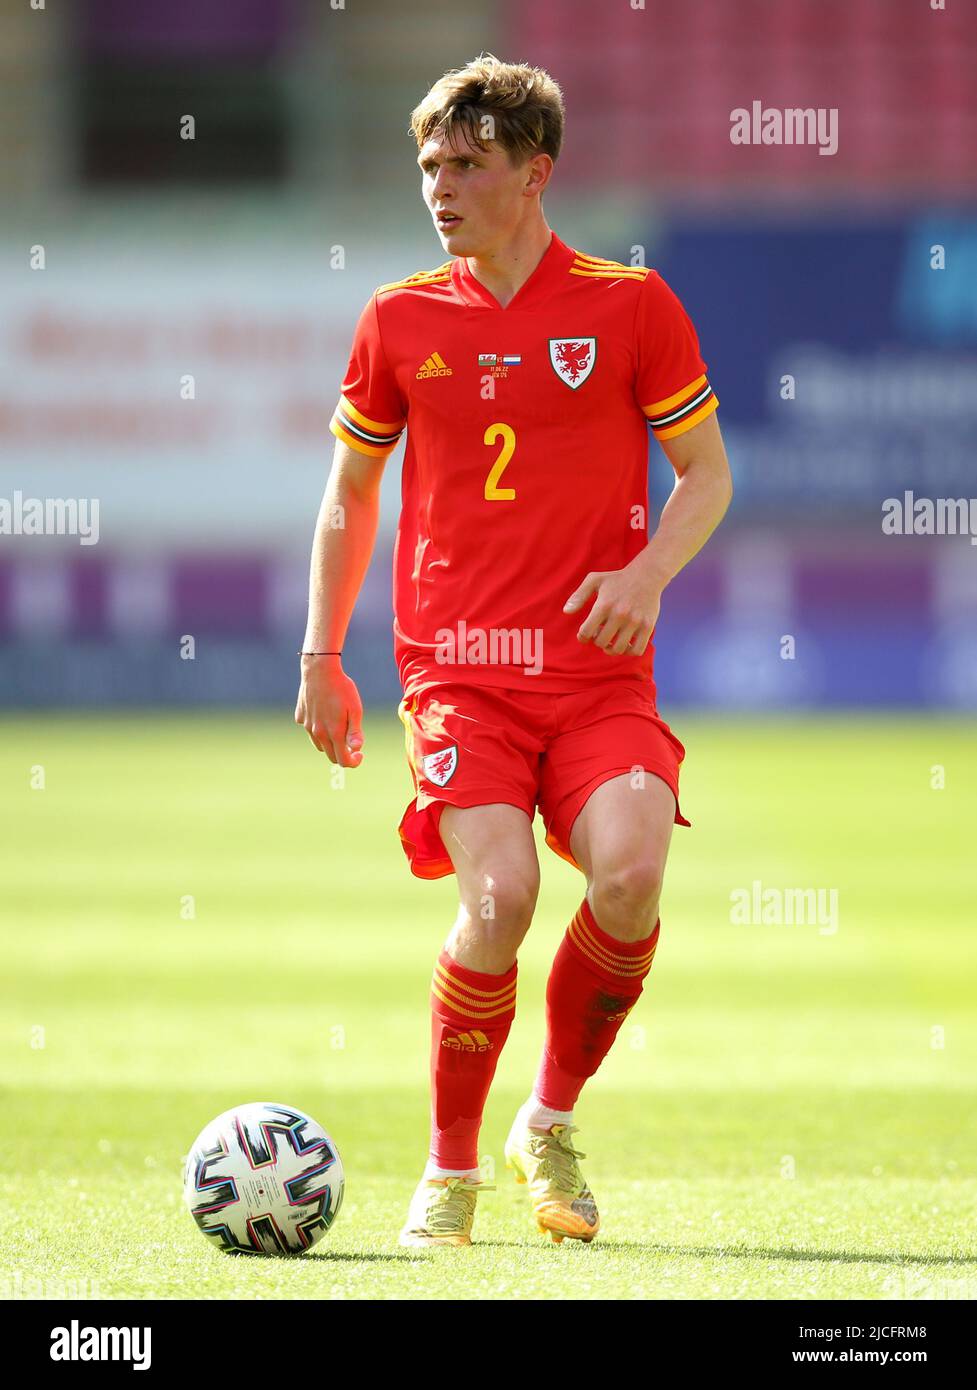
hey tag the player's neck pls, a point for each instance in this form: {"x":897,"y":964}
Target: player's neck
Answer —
{"x":505,"y":270}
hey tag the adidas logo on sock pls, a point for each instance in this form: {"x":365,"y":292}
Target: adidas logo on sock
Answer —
{"x":613,"y":1018}
{"x":475,"y":1041}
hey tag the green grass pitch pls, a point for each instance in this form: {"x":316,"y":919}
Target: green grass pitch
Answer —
{"x":788,"y":1113}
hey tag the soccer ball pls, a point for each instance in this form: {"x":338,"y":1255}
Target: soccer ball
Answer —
{"x":263,"y":1179}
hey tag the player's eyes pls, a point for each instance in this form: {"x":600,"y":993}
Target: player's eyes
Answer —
{"x":430,"y":170}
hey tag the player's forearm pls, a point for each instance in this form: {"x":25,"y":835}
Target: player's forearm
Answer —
{"x":345,"y":534}
{"x":695,"y":508}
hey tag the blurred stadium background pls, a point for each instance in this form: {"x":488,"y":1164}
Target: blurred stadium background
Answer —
{"x":241,"y":258}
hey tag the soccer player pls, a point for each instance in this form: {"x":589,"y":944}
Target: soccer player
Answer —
{"x":526,"y":592}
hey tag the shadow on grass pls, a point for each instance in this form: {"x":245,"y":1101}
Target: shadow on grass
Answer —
{"x":374,"y":1257}
{"x":743,"y":1252}
{"x":323,"y":1256}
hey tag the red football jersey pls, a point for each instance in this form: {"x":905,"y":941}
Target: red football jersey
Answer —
{"x":526,"y":463}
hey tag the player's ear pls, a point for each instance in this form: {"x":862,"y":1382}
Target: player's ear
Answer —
{"x":539,"y":171}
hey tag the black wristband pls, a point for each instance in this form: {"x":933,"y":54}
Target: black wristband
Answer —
{"x":320,"y":653}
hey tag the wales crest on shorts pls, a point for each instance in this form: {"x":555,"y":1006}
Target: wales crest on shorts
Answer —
{"x":439,"y":766}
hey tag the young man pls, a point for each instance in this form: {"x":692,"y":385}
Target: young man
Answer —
{"x":526,"y":593}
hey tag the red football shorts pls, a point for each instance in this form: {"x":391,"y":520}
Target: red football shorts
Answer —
{"x":470,"y":746}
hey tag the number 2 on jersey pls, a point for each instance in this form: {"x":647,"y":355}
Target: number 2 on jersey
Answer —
{"x":494,"y":493}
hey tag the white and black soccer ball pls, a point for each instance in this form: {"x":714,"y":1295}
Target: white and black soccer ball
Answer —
{"x":264,"y":1179}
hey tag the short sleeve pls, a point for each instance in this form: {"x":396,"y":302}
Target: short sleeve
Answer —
{"x":671,"y":385}
{"x":371,"y":414}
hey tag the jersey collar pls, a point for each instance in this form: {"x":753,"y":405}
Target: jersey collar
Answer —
{"x":552,"y":268}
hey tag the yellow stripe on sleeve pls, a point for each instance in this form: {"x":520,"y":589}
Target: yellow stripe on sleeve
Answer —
{"x":358,"y":444}
{"x":660,"y":407}
{"x":360,"y":419}
{"x":690,"y":420}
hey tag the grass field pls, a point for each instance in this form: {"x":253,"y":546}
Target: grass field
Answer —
{"x":789,"y":1112}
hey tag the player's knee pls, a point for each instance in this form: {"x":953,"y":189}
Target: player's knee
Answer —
{"x":507,"y":901}
{"x":626,"y":895}
{"x":493,"y":918}
{"x":500,"y":906}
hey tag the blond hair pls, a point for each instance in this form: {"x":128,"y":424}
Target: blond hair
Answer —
{"x":524,"y":104}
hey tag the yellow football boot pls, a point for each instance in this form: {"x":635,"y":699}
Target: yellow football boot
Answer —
{"x":441,"y":1212}
{"x":562,"y":1202}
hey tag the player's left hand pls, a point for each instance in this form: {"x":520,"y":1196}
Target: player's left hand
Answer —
{"x":624,"y":614}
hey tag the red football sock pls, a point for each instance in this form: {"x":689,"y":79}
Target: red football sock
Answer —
{"x":593,"y":985}
{"x":471,"y":1014}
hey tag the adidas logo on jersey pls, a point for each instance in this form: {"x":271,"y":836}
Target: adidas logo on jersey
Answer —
{"x":475,"y":1041}
{"x":434,"y":366}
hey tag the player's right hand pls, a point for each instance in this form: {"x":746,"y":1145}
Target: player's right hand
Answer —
{"x":330,"y":710}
